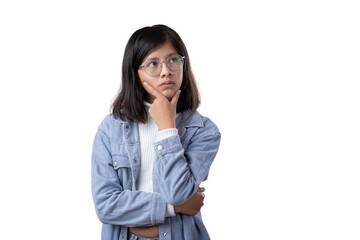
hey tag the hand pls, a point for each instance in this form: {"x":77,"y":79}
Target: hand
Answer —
{"x":162,"y":111}
{"x":193,"y":205}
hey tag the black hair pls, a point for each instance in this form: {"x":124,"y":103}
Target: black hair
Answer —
{"x":129,"y":103}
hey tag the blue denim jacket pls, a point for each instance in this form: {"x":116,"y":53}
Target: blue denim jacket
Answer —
{"x":182,"y":162}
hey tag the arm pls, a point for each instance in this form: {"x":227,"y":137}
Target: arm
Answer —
{"x":193,"y":205}
{"x":180,"y":171}
{"x":113,"y":203}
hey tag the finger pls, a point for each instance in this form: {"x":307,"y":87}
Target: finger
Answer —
{"x":153,"y":91}
{"x":175,"y":97}
{"x":201,"y":189}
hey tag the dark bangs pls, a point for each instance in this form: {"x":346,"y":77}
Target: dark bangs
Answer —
{"x":129,"y":103}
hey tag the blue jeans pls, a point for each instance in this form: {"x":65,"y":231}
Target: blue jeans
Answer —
{"x":134,"y":237}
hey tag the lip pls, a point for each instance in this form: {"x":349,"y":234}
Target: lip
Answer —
{"x":167,"y":84}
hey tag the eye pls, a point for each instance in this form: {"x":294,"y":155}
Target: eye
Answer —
{"x":152,"y":64}
{"x":174,"y":59}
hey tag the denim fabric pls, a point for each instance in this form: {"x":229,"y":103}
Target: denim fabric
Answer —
{"x":134,"y":237}
{"x":182,"y":162}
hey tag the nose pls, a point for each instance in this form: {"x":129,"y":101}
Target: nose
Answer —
{"x":165,"y":71}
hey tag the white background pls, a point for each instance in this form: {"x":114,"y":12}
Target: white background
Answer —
{"x":280,"y":79}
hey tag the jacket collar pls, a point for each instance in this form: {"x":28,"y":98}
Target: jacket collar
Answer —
{"x":188,"y":119}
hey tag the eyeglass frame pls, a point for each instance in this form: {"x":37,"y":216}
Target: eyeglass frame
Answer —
{"x":182,"y":58}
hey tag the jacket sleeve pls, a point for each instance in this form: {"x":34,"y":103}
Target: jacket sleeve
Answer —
{"x":180,"y":171}
{"x":114,"y":204}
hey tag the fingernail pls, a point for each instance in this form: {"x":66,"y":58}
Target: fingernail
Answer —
{"x":145,"y":83}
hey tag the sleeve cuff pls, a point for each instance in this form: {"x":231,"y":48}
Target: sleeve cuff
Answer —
{"x":166,"y":133}
{"x":157,"y":212}
{"x":170,"y":211}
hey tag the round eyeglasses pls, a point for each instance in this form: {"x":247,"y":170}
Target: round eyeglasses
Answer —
{"x":153,"y":66}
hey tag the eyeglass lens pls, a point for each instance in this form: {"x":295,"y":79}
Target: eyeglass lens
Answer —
{"x":153,"y":66}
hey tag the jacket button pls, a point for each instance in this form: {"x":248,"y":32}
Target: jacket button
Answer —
{"x":165,"y":234}
{"x":122,"y":235}
{"x":160,"y":147}
{"x":135,"y":161}
{"x":114,"y":164}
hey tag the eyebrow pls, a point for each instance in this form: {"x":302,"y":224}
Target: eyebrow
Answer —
{"x":154,"y":58}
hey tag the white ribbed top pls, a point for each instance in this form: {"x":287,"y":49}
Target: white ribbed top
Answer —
{"x":148,"y":135}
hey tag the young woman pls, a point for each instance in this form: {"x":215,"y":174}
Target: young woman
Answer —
{"x":152,"y":153}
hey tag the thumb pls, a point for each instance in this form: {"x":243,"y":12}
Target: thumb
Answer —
{"x":175,"y":97}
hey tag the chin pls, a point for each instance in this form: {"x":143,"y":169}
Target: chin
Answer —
{"x":168,"y":97}
{"x":168,"y":94}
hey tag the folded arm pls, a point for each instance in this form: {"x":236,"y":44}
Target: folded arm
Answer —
{"x":113,"y":203}
{"x":180,"y":171}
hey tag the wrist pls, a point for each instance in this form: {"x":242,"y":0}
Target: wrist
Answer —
{"x":176,"y":209}
{"x":166,"y":126}
{"x":166,"y":133}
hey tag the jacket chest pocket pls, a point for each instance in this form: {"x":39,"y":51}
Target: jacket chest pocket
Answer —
{"x":122,"y":167}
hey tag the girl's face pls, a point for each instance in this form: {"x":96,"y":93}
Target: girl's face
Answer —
{"x":168,"y":82}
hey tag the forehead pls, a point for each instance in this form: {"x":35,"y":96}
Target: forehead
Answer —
{"x":163,"y":51}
